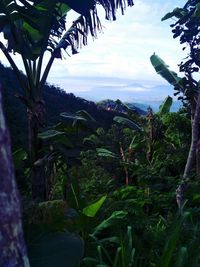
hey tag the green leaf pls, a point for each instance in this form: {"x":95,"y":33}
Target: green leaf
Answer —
{"x":181,"y":257}
{"x":92,"y":209}
{"x":177,"y":12}
{"x":19,"y":156}
{"x":165,"y":106}
{"x":117,"y":256}
{"x":63,"y":9}
{"x":49,"y":134}
{"x":35,"y":34}
{"x":127,"y":123}
{"x":162,"y":69}
{"x":102,"y":152}
{"x":197,"y":10}
{"x":115,"y":217}
{"x":172,"y":241}
{"x":84,"y":114}
{"x":71,"y":116}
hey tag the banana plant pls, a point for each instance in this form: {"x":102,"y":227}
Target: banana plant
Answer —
{"x":34,"y":28}
{"x":124,"y":156}
{"x":193,"y":97}
{"x":62,"y":144}
{"x":165,"y":106}
{"x":186,"y":86}
{"x":148,"y":131}
{"x":163,"y":69}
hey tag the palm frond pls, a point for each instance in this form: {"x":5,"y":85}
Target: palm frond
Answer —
{"x":111,"y":6}
{"x":77,"y":34}
{"x":88,"y":23}
{"x":38,"y":25}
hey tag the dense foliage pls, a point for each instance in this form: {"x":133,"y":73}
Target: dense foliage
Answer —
{"x":57,"y":101}
{"x":121,"y":225}
{"x":109,"y":178}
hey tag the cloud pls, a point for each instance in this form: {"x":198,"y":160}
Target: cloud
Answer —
{"x":126,"y":45}
{"x":123,"y":50}
{"x":133,"y":89}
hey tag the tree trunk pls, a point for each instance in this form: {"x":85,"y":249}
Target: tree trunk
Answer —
{"x":12,"y":246}
{"x":198,"y":158}
{"x":36,"y":120}
{"x":191,"y":156}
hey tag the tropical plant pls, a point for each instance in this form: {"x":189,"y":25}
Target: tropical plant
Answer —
{"x":150,"y":129}
{"x":81,"y":215}
{"x":33,"y":28}
{"x":62,"y":144}
{"x":124,"y":253}
{"x":186,"y":28}
{"x":124,"y":157}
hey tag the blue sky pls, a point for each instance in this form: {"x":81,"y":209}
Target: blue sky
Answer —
{"x":123,"y":50}
{"x":121,"y":54}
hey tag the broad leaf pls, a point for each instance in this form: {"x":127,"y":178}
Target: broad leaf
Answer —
{"x":19,"y":156}
{"x":177,"y":12}
{"x":49,"y":134}
{"x":162,"y":69}
{"x":92,"y":209}
{"x":84,"y":114}
{"x":127,"y":123}
{"x":102,"y":152}
{"x":73,"y":117}
{"x":165,"y":106}
{"x":172,"y":242}
{"x":115,"y":218}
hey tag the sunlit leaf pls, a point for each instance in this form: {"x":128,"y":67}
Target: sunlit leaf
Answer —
{"x":102,"y":152}
{"x":92,"y":209}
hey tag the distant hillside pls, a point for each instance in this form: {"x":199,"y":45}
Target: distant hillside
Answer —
{"x":119,"y":106}
{"x":176,"y":105}
{"x":56,"y":100}
{"x":127,"y":90}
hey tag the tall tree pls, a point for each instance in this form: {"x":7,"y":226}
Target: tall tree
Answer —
{"x":12,"y":246}
{"x":34,"y":27}
{"x":187,"y":29}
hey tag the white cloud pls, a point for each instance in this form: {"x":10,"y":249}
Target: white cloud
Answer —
{"x":126,"y":45}
{"x":134,"y":89}
{"x":123,"y":50}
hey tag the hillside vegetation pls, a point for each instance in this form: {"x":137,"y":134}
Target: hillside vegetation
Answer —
{"x":56,"y":101}
{"x":101,"y":185}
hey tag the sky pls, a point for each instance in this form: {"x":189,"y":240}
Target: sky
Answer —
{"x":119,"y":57}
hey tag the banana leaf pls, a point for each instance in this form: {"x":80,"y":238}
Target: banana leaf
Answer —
{"x":93,"y":208}
{"x":127,"y":123}
{"x":177,"y":12}
{"x":162,"y":69}
{"x":102,"y":152}
{"x":115,"y":218}
{"x":49,"y":134}
{"x":165,"y":106}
